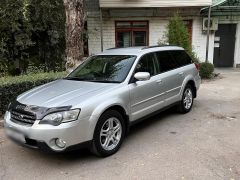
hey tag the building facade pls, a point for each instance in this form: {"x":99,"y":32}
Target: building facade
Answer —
{"x":120,"y":23}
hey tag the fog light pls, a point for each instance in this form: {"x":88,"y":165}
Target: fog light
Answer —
{"x":60,"y":143}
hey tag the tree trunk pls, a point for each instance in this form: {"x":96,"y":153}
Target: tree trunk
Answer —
{"x":75,"y":16}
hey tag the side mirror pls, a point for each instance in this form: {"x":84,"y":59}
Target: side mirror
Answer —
{"x":142,"y":76}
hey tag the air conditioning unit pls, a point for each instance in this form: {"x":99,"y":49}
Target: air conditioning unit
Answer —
{"x":213,"y":24}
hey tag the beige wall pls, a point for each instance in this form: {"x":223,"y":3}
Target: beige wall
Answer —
{"x":152,"y":3}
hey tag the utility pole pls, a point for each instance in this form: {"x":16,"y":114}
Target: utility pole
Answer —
{"x":101,"y":29}
{"x":208,"y":32}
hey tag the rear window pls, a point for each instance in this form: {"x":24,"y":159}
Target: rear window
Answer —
{"x":181,"y":57}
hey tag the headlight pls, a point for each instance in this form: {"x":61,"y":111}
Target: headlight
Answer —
{"x":60,"y":117}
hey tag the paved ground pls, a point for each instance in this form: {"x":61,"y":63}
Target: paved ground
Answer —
{"x":204,"y":144}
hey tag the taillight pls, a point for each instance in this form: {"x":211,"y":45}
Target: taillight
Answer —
{"x":197,"y":66}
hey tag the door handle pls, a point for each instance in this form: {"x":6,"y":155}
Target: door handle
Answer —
{"x":159,"y":81}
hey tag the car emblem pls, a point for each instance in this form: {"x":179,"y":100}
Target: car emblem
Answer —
{"x":21,"y":107}
{"x":27,"y":108}
{"x":21,"y":116}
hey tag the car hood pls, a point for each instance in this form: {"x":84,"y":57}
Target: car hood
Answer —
{"x":63,"y":93}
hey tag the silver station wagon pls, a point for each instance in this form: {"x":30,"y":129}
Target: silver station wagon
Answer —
{"x":95,"y":105}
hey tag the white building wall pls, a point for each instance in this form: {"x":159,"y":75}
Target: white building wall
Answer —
{"x":94,"y":35}
{"x":153,"y":3}
{"x":157,"y":28}
{"x":108,"y":34}
{"x":199,"y":41}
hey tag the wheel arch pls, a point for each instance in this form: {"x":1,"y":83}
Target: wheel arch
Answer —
{"x":112,"y":106}
{"x":191,"y":82}
{"x":122,"y":111}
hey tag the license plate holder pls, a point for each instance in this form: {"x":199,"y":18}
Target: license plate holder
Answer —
{"x":15,"y":135}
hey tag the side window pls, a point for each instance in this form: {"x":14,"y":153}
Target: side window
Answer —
{"x":181,"y":57}
{"x":147,"y":64}
{"x":166,"y":61}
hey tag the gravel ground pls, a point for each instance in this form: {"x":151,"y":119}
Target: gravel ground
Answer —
{"x":203,"y":144}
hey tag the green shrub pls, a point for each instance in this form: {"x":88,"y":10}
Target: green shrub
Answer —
{"x":206,"y":70}
{"x":3,"y":67}
{"x":11,"y":87}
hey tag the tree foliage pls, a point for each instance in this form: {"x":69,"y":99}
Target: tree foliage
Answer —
{"x":177,"y":34}
{"x":48,"y":24}
{"x":15,"y":32}
{"x":31,"y":32}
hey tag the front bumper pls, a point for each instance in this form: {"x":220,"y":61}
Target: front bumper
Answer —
{"x":33,"y":144}
{"x":43,"y":136}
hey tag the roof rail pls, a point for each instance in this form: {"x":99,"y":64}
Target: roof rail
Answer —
{"x":112,"y":48}
{"x":149,"y":47}
{"x":118,"y":48}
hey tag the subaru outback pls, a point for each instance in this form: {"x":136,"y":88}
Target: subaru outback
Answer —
{"x":95,"y":105}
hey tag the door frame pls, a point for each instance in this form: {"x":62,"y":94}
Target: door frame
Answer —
{"x":225,"y":20}
{"x":235,"y":25}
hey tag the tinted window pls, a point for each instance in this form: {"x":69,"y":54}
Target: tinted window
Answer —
{"x":147,"y":64}
{"x":166,"y":61}
{"x":105,"y":68}
{"x":181,"y":57}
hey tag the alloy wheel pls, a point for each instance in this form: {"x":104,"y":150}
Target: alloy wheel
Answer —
{"x":110,"y":134}
{"x":188,"y":98}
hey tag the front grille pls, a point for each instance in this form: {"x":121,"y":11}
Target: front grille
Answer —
{"x":22,"y":117}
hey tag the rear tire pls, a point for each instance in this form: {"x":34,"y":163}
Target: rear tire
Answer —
{"x":186,"y":103}
{"x":109,"y":134}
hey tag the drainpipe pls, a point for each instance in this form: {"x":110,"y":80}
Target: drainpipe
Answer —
{"x":208,"y":32}
{"x":101,"y":29}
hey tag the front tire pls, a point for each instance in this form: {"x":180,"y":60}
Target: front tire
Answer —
{"x":186,"y":103}
{"x":109,"y":134}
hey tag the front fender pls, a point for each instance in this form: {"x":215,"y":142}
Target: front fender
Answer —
{"x":101,"y":108}
{"x":97,"y":112}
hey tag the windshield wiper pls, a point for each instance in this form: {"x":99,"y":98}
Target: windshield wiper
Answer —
{"x":104,"y":81}
{"x":90,"y":80}
{"x":76,"y":79}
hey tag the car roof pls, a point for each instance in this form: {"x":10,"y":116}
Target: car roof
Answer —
{"x":140,"y":50}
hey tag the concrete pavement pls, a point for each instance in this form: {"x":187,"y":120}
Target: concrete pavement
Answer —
{"x":204,"y":144}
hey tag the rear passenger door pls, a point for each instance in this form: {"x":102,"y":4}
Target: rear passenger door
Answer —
{"x":172,"y":76}
{"x":183,"y":60}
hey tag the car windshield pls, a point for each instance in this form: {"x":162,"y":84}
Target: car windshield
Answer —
{"x":104,"y":68}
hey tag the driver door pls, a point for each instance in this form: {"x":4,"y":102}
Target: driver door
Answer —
{"x":144,"y":95}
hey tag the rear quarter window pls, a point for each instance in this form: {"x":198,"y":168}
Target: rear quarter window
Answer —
{"x":166,"y":61}
{"x":181,"y":57}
